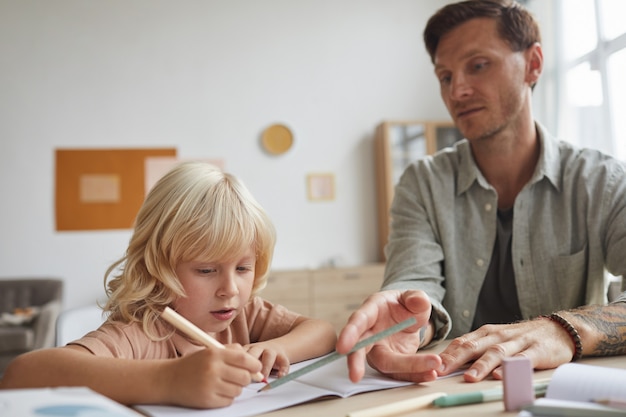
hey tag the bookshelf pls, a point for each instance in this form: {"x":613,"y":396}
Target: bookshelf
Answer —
{"x":397,"y":144}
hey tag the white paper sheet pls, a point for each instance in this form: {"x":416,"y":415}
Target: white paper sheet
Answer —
{"x":331,"y":379}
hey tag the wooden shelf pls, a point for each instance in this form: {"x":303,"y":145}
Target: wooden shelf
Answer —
{"x":396,"y":145}
{"x":331,"y":294}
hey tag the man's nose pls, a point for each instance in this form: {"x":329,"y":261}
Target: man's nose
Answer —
{"x":459,"y":87}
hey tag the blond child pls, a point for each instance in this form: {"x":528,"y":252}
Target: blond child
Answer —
{"x":203,"y":246}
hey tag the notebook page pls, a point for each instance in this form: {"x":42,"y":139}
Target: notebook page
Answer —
{"x":331,"y":379}
{"x":578,"y":382}
{"x":334,"y":378}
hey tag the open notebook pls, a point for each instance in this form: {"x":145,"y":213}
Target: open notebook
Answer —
{"x":329,"y":380}
{"x":576,"y":390}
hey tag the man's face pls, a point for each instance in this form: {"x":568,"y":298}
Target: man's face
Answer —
{"x":483,"y":82}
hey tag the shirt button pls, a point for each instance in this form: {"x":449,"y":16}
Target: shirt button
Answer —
{"x":480,"y":262}
{"x":488,"y":207}
{"x":466,"y":313}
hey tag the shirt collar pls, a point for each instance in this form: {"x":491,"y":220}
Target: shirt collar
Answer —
{"x":468,"y":170}
{"x":548,"y":164}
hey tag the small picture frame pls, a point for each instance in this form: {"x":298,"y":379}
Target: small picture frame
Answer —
{"x":321,"y":187}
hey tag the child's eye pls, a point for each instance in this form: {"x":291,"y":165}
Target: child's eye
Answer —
{"x":206,"y":270}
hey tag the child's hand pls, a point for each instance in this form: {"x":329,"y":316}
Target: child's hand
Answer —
{"x":271,"y":355}
{"x":210,"y":378}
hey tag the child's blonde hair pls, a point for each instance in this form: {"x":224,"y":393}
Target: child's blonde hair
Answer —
{"x":195,"y":211}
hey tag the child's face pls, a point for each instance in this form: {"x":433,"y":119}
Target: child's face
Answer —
{"x":217,"y":291}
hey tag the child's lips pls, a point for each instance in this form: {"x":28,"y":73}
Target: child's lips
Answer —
{"x":226,"y":314}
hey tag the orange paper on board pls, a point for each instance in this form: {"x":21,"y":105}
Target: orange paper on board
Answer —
{"x":98,"y":189}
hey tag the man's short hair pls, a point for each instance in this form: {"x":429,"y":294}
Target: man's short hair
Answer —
{"x":516,"y":25}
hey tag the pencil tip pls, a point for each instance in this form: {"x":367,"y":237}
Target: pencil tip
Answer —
{"x":265,"y":388}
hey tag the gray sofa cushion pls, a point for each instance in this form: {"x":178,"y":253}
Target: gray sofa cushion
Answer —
{"x":22,"y":293}
{"x":16,"y":338}
{"x":45,"y":294}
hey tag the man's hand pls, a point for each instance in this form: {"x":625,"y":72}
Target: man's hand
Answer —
{"x":543,"y":341}
{"x":395,"y":355}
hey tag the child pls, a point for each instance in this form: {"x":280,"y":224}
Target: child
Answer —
{"x":203,"y":246}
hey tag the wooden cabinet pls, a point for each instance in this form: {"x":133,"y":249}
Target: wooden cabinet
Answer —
{"x":337,"y":292}
{"x":331,"y":294}
{"x":291,"y":289}
{"x":397,"y":144}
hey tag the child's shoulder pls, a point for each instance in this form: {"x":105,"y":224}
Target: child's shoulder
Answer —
{"x":127,"y":340}
{"x":266,"y":320}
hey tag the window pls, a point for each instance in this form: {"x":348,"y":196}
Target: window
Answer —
{"x":590,"y":49}
{"x":582,"y":95}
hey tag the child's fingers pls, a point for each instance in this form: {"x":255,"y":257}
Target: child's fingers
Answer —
{"x":267,"y":359}
{"x":281,"y":365}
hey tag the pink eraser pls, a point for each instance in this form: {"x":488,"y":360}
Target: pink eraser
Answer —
{"x":518,"y":383}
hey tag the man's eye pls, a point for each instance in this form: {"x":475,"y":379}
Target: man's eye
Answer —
{"x":477,"y":66}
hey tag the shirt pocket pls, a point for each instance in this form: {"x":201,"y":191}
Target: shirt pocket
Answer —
{"x":570,"y":275}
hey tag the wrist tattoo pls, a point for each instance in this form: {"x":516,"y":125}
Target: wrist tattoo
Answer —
{"x":609,"y":322}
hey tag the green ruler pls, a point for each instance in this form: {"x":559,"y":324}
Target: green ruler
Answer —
{"x":334,"y":356}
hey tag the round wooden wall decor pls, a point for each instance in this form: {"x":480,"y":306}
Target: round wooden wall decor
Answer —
{"x":277,"y":139}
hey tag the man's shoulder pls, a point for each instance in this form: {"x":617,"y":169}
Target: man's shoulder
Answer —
{"x":446,"y":159}
{"x":594,"y":168}
{"x":441,"y":169}
{"x":575,"y":157}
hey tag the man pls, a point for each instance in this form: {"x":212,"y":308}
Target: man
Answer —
{"x":509,"y":226}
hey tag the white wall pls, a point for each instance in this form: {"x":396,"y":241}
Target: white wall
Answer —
{"x":207,"y":77}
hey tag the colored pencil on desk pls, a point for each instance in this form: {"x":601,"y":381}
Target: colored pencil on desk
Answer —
{"x":476,"y":397}
{"x":193,"y":331}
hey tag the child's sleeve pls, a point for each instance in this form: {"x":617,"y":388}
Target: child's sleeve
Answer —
{"x":268,"y":321}
{"x":122,"y":340}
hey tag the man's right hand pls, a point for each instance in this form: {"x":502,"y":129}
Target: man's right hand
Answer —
{"x":395,"y":355}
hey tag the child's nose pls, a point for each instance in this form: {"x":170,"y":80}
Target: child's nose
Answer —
{"x":229,"y":285}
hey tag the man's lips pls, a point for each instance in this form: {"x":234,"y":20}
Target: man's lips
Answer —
{"x":467,"y":111}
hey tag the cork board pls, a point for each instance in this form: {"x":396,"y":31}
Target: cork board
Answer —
{"x":99,"y":189}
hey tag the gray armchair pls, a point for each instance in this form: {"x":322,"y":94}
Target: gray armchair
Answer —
{"x":45,"y":295}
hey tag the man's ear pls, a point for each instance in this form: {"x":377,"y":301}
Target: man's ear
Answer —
{"x":534,"y":66}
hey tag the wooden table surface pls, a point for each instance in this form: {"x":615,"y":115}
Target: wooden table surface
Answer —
{"x":340,"y":407}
